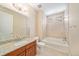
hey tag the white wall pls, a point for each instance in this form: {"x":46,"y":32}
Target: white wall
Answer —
{"x":20,"y":26}
{"x":39,"y":21}
{"x":55,"y":25}
{"x":32,"y":21}
{"x":74,"y":28}
{"x":44,"y":24}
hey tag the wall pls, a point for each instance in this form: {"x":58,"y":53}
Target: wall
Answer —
{"x":55,"y":26}
{"x":32,"y":21}
{"x":39,"y":23}
{"x":74,"y":28}
{"x":20,"y":26}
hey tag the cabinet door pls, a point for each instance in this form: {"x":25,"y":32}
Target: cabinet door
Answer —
{"x":22,"y":54}
{"x":31,"y":51}
{"x":27,"y":52}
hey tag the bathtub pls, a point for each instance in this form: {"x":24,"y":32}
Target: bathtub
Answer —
{"x":58,"y":44}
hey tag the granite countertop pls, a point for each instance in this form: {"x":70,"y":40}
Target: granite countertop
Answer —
{"x":10,"y":46}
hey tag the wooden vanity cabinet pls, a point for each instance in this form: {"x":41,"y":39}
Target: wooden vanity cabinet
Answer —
{"x":27,"y":50}
{"x":16,"y":52}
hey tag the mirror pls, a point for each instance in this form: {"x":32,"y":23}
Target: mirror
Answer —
{"x":6,"y":25}
{"x":13,"y":25}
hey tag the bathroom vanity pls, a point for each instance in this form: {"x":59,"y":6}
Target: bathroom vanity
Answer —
{"x":27,"y":50}
{"x":25,"y":47}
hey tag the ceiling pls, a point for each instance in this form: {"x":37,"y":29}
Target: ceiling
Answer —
{"x":49,"y":8}
{"x":53,"y":7}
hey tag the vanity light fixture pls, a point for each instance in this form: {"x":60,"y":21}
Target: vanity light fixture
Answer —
{"x":20,"y":7}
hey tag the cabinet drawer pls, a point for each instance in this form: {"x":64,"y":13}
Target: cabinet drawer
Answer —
{"x":16,"y":52}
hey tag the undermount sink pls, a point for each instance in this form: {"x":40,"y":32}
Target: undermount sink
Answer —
{"x":20,"y":42}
